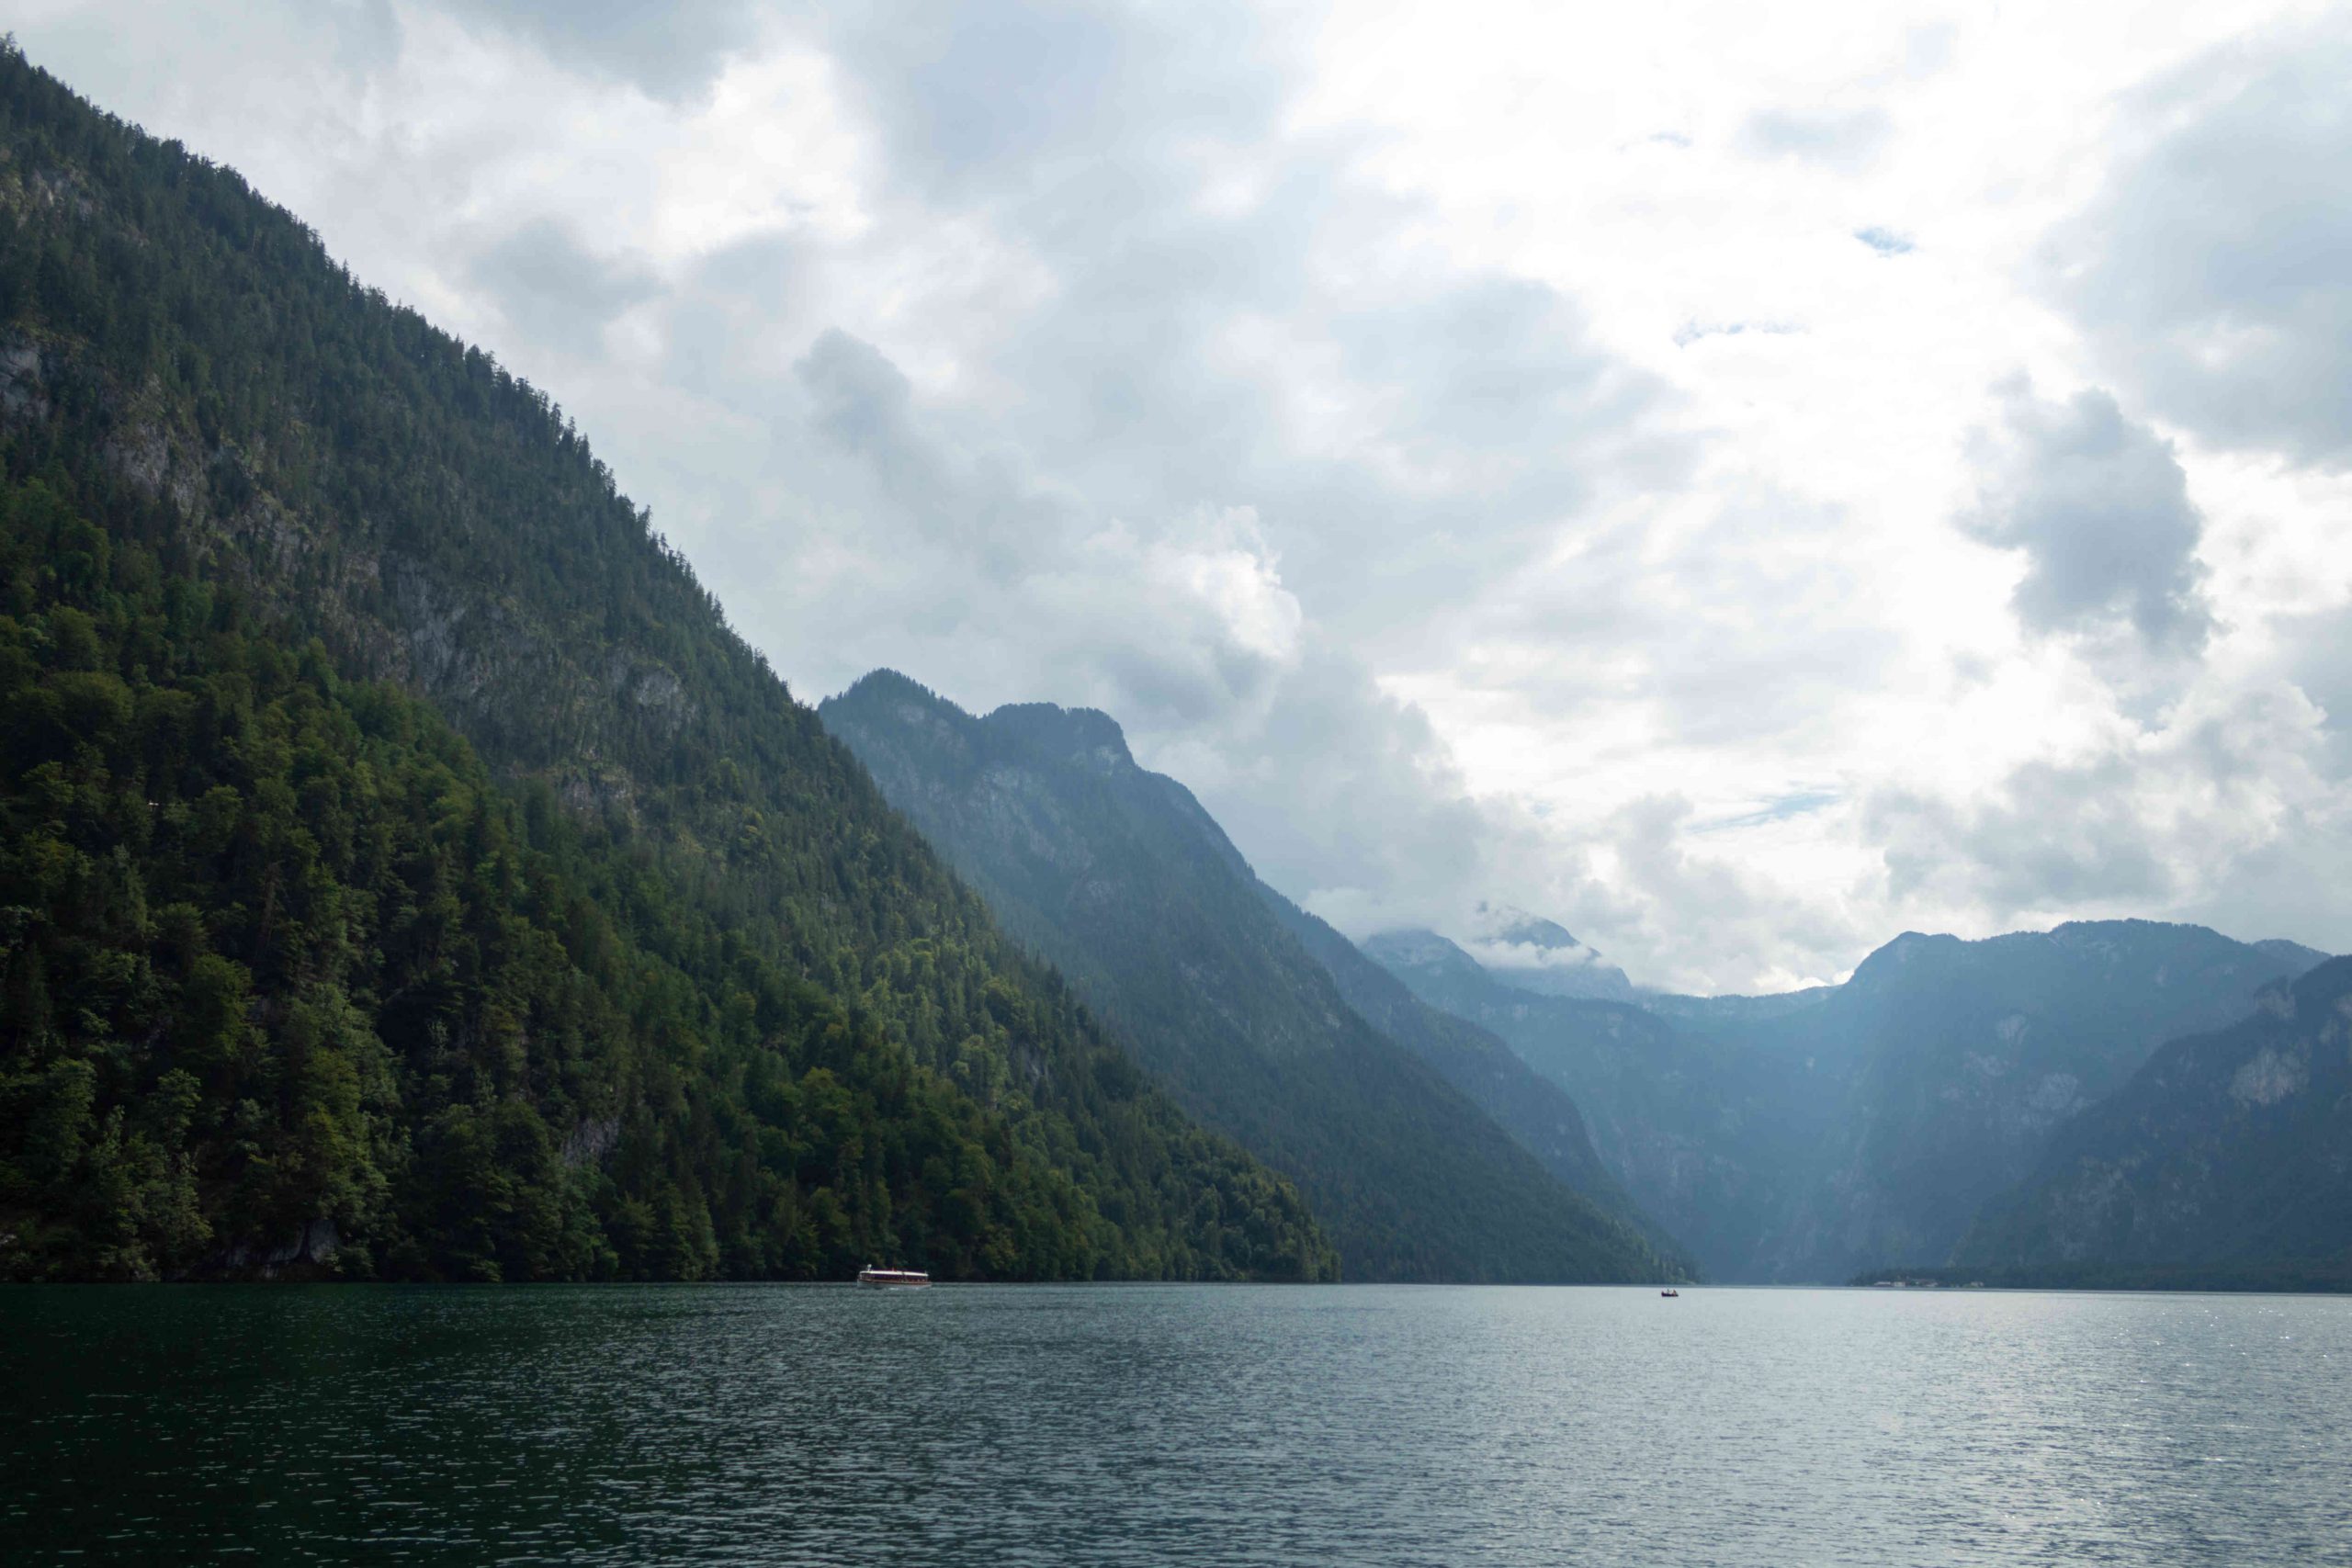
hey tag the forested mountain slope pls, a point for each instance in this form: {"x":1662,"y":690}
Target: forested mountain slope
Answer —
{"x":406,"y":868}
{"x":2227,"y":1150}
{"x":1120,"y":877}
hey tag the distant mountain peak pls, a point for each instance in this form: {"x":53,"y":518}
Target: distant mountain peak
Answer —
{"x":1415,"y":947}
{"x":888,"y":682}
{"x":1087,"y":736}
{"x":1542,"y":956}
{"x":2292,"y":951}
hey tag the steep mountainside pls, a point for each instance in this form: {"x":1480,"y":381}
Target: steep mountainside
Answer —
{"x":1703,"y":1134}
{"x":633,"y":973}
{"x":1120,"y":877}
{"x":1865,"y":1124}
{"x":1967,"y":1056}
{"x":1533,"y":1110}
{"x":2226,"y":1150}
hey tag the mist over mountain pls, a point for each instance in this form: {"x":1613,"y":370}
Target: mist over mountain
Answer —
{"x":1118,"y":876}
{"x":1539,"y":955}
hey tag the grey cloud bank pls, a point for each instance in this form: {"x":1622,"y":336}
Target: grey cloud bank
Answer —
{"x":669,"y":51}
{"x":2099,"y":508}
{"x":2213,"y":273}
{"x":554,"y":289}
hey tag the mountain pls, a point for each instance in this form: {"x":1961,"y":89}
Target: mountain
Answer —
{"x":1539,"y":955}
{"x":1118,"y":876}
{"x":1810,"y":1137}
{"x":1734,"y":1011}
{"x":407,"y":873}
{"x":1964,"y":1058}
{"x":2228,"y":1152}
{"x":1538,"y":1114}
{"x":1704,"y":1136}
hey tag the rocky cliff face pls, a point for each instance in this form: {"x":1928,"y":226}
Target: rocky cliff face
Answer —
{"x":2228,"y":1147}
{"x":426,"y":618}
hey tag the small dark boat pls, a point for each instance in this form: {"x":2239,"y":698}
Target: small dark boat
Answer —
{"x":1670,"y":1293}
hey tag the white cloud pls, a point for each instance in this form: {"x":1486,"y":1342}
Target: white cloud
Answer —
{"x":1845,"y":139}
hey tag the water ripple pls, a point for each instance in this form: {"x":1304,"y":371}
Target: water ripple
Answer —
{"x":1173,"y":1425}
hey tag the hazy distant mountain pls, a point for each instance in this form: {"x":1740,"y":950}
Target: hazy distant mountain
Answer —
{"x":2230,"y":1147}
{"x":1704,"y":1136}
{"x":1964,"y":1059}
{"x":1809,"y":1137}
{"x":1120,"y":877}
{"x":1543,"y":1117}
{"x":2294,"y":955}
{"x":1539,"y":955}
{"x":1735,"y":1012}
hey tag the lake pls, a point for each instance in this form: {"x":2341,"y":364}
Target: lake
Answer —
{"x":1173,"y":1425}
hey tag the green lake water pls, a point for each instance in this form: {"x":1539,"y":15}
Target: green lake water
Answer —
{"x":1171,"y":1425}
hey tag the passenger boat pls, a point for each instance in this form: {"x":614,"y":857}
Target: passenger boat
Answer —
{"x":892,"y":1278}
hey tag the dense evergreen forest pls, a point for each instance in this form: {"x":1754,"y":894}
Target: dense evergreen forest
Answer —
{"x":406,"y":873}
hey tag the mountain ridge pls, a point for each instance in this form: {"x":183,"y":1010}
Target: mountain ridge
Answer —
{"x":1123,"y":879}
{"x":1860,"y":1126}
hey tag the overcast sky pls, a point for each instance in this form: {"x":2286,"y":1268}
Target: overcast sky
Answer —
{"x":1741,"y":482}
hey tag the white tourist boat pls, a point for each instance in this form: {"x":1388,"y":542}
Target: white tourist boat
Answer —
{"x":892,"y":1278}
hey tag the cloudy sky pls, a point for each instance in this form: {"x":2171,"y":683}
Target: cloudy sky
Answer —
{"x":1740,"y":481}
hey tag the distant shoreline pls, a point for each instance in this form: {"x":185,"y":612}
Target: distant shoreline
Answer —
{"x":2283,"y":1279}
